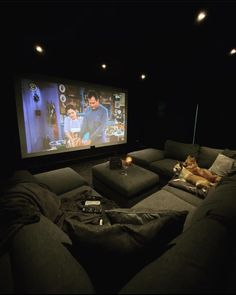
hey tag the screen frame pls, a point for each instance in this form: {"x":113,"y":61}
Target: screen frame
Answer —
{"x":60,"y":80}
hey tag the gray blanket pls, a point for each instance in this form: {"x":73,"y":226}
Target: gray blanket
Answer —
{"x":123,"y":243}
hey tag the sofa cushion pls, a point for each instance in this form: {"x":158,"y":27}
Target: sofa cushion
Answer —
{"x":229,"y":153}
{"x":180,"y":151}
{"x":207,"y":156}
{"x":220,"y":202}
{"x":163,"y":167}
{"x":222,"y":165}
{"x":196,"y":262}
{"x":186,"y":191}
{"x":42,"y":264}
{"x":6,"y":282}
{"x":61,"y":180}
{"x":145,"y":156}
{"x":169,"y":200}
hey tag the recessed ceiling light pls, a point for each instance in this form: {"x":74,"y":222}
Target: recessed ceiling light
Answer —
{"x":143,"y":76}
{"x":39,"y":49}
{"x":201,"y":16}
{"x":232,"y":51}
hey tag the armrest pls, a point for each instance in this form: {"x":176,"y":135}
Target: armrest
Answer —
{"x":61,"y":180}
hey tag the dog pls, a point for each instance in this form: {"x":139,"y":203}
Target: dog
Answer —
{"x":184,"y":174}
{"x":191,"y":164}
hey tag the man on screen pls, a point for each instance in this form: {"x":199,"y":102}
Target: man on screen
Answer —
{"x":94,"y":122}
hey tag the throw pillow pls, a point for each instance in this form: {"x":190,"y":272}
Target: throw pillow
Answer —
{"x":222,"y":165}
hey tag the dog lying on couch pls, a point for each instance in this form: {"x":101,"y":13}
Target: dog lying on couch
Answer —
{"x":191,"y":164}
{"x":185,"y":175}
{"x":200,"y":177}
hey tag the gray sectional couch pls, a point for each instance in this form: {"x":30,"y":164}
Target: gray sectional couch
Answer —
{"x":199,"y":257}
{"x":163,"y":161}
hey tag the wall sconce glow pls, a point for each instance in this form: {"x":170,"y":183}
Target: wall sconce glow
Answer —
{"x":104,"y":66}
{"x":39,"y":49}
{"x":143,"y":77}
{"x":201,"y":16}
{"x":232,"y":51}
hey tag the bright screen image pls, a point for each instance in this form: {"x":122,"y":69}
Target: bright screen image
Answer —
{"x":59,"y":116}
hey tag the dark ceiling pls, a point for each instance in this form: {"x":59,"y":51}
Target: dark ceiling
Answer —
{"x":160,"y":38}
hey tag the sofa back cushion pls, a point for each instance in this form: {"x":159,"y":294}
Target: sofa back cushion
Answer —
{"x":179,"y":151}
{"x":207,"y":156}
{"x":229,"y":153}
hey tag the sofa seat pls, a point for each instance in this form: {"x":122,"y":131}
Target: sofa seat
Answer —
{"x":163,"y":167}
{"x":170,"y":198}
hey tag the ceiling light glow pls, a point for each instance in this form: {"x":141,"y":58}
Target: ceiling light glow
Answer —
{"x":104,"y":66}
{"x":39,"y":48}
{"x":232,"y":51}
{"x":201,"y":16}
{"x":143,"y":76}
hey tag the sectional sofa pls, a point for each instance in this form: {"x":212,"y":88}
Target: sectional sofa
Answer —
{"x":193,"y":254}
{"x":163,"y":161}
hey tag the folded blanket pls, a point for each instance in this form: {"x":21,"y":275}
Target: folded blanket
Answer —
{"x":188,"y":187}
{"x":22,"y":204}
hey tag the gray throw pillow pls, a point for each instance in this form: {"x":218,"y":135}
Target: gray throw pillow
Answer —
{"x":222,"y":165}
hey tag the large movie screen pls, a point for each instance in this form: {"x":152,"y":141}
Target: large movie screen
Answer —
{"x":56,"y":115}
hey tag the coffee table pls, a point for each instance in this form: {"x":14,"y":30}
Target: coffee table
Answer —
{"x":125,"y":190}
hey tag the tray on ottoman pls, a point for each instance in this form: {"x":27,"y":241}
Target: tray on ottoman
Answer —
{"x":125,"y":190}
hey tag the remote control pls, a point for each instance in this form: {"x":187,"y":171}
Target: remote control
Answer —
{"x":90,"y":209}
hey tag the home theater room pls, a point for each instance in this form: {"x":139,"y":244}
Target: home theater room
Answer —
{"x":118,"y":151}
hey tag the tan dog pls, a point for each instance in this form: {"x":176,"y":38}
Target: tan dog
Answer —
{"x":185,"y":174}
{"x":191,"y":164}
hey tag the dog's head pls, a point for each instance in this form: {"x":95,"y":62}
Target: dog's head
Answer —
{"x":178,"y":168}
{"x":190,"y":161}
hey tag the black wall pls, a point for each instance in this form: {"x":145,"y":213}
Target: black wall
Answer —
{"x":185,"y":64}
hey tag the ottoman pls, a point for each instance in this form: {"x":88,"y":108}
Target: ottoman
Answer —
{"x":125,"y":190}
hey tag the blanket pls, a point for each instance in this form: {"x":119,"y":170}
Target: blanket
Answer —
{"x":113,"y":237}
{"x":188,"y":187}
{"x":23,"y":204}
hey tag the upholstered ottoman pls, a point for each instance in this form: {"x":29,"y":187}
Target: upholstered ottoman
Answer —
{"x":125,"y":190}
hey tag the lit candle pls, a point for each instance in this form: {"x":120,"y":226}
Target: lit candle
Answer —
{"x":128,"y":160}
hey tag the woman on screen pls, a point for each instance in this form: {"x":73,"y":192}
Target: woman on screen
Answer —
{"x":72,"y":126}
